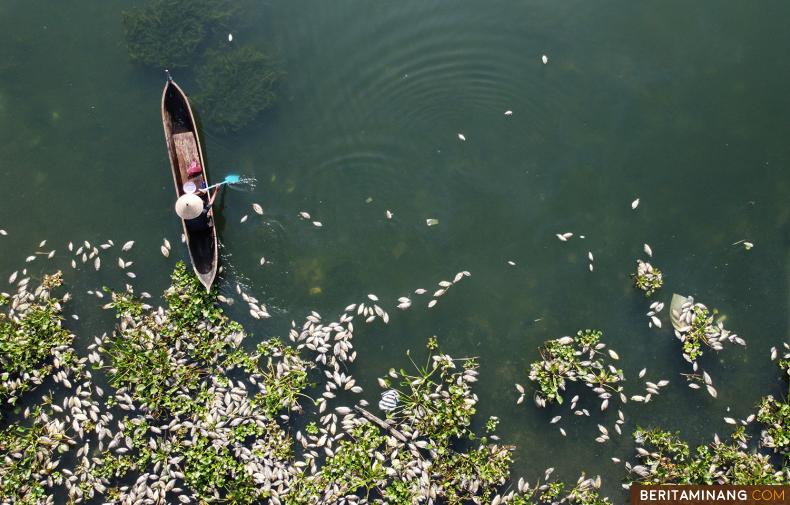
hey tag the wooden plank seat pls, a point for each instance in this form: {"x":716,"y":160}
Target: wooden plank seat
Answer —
{"x":186,"y":151}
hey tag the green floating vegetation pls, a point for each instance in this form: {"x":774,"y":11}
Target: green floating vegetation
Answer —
{"x":235,"y":86}
{"x":664,"y":458}
{"x":647,"y":277}
{"x":31,"y":338}
{"x":574,"y":359}
{"x":168,"y":33}
{"x":696,"y":326}
{"x":200,"y":419}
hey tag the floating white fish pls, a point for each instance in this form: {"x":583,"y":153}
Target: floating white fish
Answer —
{"x":613,"y":354}
{"x":656,"y":321}
{"x":389,"y":214}
{"x":243,"y":218}
{"x":230,"y":37}
{"x":3,"y":233}
{"x":431,"y":221}
{"x":642,"y":372}
{"x":648,"y":250}
{"x":373,"y":297}
{"x":166,"y":243}
{"x":318,"y":224}
{"x":42,"y":243}
{"x":432,"y":303}
{"x":304,"y":215}
{"x":555,"y":419}
{"x":748,"y":245}
{"x":29,"y":259}
{"x":262,"y":261}
{"x":590,"y":255}
{"x":419,"y":291}
{"x":51,"y":254}
{"x":165,"y":251}
{"x":544,"y":59}
{"x":635,"y":204}
{"x":127,"y":245}
{"x":97,"y":263}
{"x":257,"y":208}
{"x":511,"y":263}
{"x":508,"y":112}
{"x":462,"y":137}
{"x":590,"y":266}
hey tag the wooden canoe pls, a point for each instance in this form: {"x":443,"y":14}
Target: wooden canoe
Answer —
{"x":183,"y":148}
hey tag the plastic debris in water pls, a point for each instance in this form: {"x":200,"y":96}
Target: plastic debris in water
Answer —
{"x":389,"y":400}
{"x":431,"y":221}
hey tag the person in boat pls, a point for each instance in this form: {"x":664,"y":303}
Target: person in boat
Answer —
{"x":193,"y":209}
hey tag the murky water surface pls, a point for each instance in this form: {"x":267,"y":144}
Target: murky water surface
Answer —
{"x":683,"y":105}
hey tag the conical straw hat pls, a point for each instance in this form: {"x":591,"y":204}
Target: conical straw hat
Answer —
{"x":189,"y":206}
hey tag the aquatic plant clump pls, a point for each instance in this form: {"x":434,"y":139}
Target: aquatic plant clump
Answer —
{"x":167,"y":33}
{"x":33,"y":341}
{"x":695,"y":325}
{"x":647,"y":277}
{"x":666,"y":459}
{"x":574,"y":359}
{"x":195,"y":418}
{"x":236,"y":85}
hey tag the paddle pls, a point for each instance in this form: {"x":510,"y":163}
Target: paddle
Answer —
{"x":229,"y":179}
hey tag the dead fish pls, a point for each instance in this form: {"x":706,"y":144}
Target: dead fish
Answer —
{"x":432,"y":303}
{"x":511,"y":263}
{"x":419,"y":291}
{"x":262,"y":261}
{"x":590,"y":255}
{"x":97,"y":263}
{"x":635,"y":204}
{"x":165,"y":251}
{"x":127,"y":245}
{"x":656,"y":321}
{"x":243,"y":218}
{"x":544,"y":59}
{"x":508,"y":112}
{"x":431,"y":221}
{"x":3,"y":232}
{"x":167,"y":243}
{"x":42,"y":244}
{"x":613,"y":354}
{"x":389,"y":214}
{"x":462,"y":137}
{"x":648,"y":251}
{"x":318,"y":224}
{"x":230,"y":37}
{"x":304,"y":215}
{"x":642,"y":372}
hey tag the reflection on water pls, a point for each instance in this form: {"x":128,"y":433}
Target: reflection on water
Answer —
{"x":674,"y":105}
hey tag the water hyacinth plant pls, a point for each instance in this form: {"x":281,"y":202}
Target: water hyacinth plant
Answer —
{"x":574,"y":359}
{"x":33,"y":342}
{"x":195,"y":418}
{"x":647,"y":277}
{"x":664,"y":458}
{"x":695,"y":325}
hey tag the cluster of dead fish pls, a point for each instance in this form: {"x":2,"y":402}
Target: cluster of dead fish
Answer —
{"x":443,"y":286}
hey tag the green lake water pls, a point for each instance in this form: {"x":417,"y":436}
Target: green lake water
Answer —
{"x":681,"y":104}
